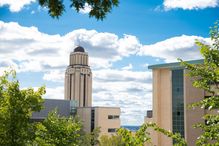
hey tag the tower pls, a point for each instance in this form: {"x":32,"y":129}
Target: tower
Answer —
{"x":78,"y":78}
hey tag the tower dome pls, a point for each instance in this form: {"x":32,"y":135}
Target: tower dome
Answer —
{"x":79,"y":49}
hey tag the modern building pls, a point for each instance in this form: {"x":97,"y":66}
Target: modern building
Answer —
{"x":172,"y":92}
{"x":107,"y":118}
{"x":78,"y":98}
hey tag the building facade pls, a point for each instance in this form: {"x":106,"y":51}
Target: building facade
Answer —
{"x":172,"y":93}
{"x":107,"y":118}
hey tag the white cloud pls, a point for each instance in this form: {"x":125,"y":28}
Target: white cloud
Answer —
{"x":51,"y":93}
{"x":86,"y":10}
{"x":145,"y":65}
{"x":121,"y":75}
{"x":183,"y":47}
{"x":55,"y":93}
{"x":33,"y":50}
{"x":128,"y":67}
{"x":7,"y":65}
{"x":190,"y":4}
{"x":105,"y":45}
{"x":55,"y":76}
{"x":15,"y":5}
{"x":33,"y":12}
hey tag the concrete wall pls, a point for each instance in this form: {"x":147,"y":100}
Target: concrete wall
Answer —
{"x":162,"y":105}
{"x":101,"y":118}
{"x":192,"y":116}
{"x":85,"y":115}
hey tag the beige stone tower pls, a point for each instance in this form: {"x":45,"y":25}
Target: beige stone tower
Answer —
{"x":78,"y":79}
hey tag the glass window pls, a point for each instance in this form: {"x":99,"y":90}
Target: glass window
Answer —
{"x":113,"y":116}
{"x":92,"y":119}
{"x":110,"y":130}
{"x":178,"y":101}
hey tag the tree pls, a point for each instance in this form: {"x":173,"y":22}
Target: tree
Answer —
{"x":16,"y":108}
{"x":58,"y":131}
{"x":99,"y":8}
{"x":206,"y":76}
{"x":90,"y":139}
{"x":142,"y":136}
{"x":114,"y":140}
{"x":63,"y":131}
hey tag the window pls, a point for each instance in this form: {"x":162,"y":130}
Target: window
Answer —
{"x":178,"y":101}
{"x":116,"y":117}
{"x":110,"y":116}
{"x":178,"y":113}
{"x":92,"y":119}
{"x":111,"y":130}
{"x":113,"y":116}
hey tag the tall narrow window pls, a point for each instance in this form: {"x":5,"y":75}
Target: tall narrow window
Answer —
{"x":177,"y":101}
{"x":92,"y":119}
{"x":70,"y":86}
{"x":84,"y":98}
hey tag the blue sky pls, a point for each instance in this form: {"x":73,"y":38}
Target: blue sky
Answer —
{"x":134,"y":35}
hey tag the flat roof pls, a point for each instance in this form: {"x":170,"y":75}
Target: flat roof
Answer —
{"x":99,"y":107}
{"x":175,"y":64}
{"x":63,"y":107}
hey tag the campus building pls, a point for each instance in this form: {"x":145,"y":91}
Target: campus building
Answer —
{"x":107,"y":118}
{"x":78,"y":98}
{"x":172,"y":92}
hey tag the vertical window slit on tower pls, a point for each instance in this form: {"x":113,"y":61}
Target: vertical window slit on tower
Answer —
{"x":80,"y":90}
{"x":73,"y":91}
{"x":70,"y":85}
{"x":84,"y":89}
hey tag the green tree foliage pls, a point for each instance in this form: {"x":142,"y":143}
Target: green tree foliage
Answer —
{"x":99,"y":8}
{"x":63,"y":131}
{"x":58,"y":131}
{"x":16,"y":128}
{"x":16,"y":108}
{"x":142,"y":136}
{"x":114,"y":140}
{"x":206,"y":76}
{"x":90,"y":139}
{"x":93,"y":137}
